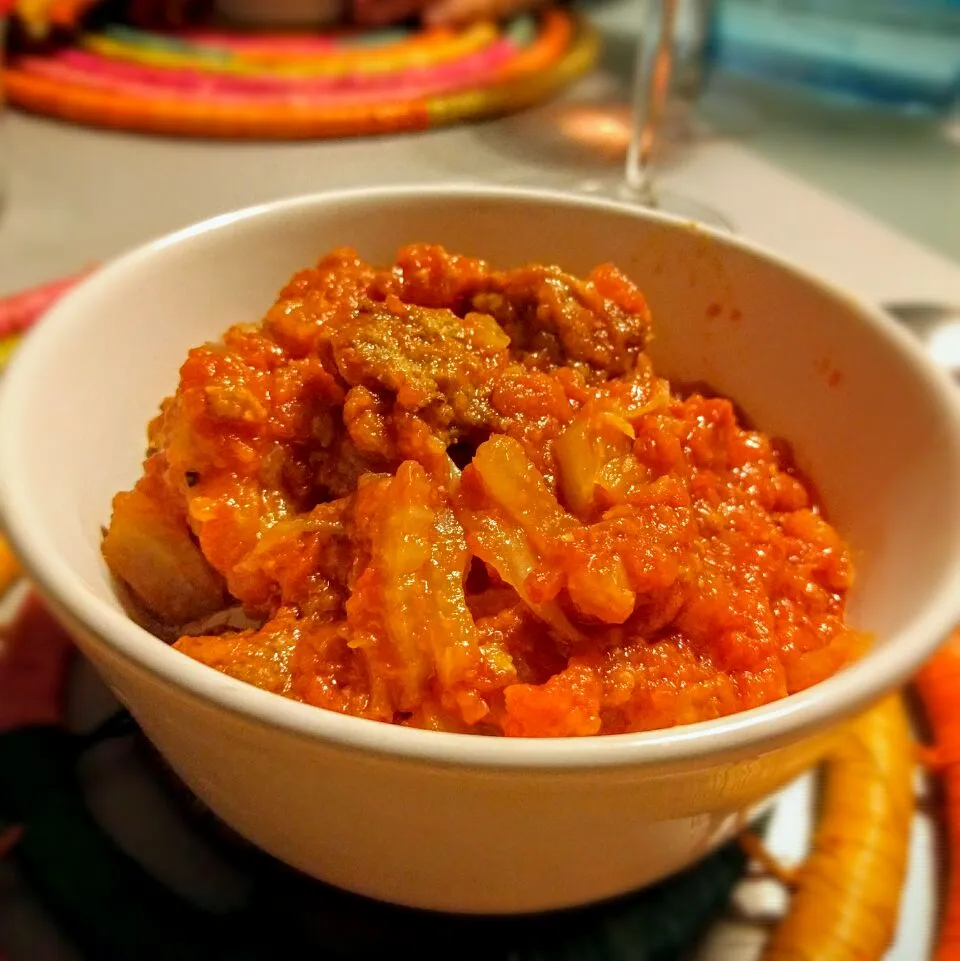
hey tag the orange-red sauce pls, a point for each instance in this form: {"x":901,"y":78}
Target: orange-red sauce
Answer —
{"x":460,"y":498}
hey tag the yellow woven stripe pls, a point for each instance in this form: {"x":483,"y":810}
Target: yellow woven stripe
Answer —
{"x":366,"y":61}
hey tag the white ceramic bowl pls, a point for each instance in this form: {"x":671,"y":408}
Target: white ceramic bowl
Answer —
{"x":459,"y":822}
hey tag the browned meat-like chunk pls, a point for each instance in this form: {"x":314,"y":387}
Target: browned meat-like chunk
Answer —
{"x":431,"y":360}
{"x":555,"y":320}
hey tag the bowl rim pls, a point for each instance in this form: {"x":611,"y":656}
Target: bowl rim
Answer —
{"x":854,"y":688}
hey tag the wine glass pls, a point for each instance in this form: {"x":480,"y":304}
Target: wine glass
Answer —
{"x":653,"y":79}
{"x":568,"y":144}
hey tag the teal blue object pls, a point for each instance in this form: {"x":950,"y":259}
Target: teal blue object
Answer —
{"x":902,"y":53}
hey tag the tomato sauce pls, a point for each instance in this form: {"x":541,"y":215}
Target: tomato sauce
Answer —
{"x":460,"y":498}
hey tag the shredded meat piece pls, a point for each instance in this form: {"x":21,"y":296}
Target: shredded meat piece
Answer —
{"x":430,"y":360}
{"x":555,"y":320}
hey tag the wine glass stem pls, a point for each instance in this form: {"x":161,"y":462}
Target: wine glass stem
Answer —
{"x":651,"y":87}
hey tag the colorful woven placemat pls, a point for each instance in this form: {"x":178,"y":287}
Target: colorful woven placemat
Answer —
{"x":236,"y":85}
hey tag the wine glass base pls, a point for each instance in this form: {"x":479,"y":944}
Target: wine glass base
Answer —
{"x":663,"y":201}
{"x":615,"y":187}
